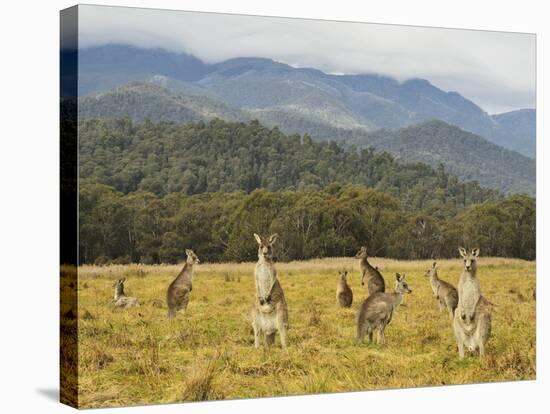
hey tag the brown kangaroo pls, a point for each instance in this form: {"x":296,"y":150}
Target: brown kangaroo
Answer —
{"x":472,"y":319}
{"x":375,"y":281}
{"x":445,"y":293}
{"x":120,"y":299}
{"x":269,"y":314}
{"x":179,"y":291}
{"x":344,"y":294}
{"x":376,"y":311}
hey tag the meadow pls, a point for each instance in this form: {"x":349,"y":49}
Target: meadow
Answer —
{"x":136,"y":356}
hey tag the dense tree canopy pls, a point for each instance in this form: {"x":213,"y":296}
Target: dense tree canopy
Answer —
{"x":218,"y":156}
{"x":148,"y":191}
{"x":144,"y":227}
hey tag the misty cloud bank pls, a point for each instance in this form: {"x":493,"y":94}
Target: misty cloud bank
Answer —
{"x":496,"y":70}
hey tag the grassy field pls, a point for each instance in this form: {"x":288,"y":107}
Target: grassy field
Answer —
{"x":136,"y":356}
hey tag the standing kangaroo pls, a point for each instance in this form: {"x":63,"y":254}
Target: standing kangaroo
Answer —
{"x":376,"y":311}
{"x":121,"y":300}
{"x":344,"y":294}
{"x":177,"y":295}
{"x":445,"y":293}
{"x":375,"y":281}
{"x":269,"y":313}
{"x":472,"y":318}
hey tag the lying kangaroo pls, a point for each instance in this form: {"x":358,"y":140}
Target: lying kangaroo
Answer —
{"x":177,"y":295}
{"x":377,"y":310}
{"x":269,"y":313}
{"x":444,"y":292}
{"x":121,"y":300}
{"x":344,"y":294}
{"x":472,"y":318}
{"x":375,"y":281}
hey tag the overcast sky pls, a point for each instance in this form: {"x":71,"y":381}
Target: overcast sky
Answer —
{"x":496,"y":70}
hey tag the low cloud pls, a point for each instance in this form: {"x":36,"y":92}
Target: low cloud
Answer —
{"x":494,"y":69}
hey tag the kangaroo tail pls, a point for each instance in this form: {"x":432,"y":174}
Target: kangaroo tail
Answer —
{"x":488,"y":302}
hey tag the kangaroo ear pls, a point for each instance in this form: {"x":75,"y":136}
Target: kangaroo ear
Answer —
{"x":345,"y":272}
{"x":475,"y":252}
{"x":434,"y":265}
{"x":273,"y":238}
{"x":123,"y":280}
{"x":258,"y":238}
{"x":398,"y":277}
{"x":462,"y":251}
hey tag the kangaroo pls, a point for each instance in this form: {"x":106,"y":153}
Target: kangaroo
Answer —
{"x":269,"y":313}
{"x":375,"y":281}
{"x":179,"y":291}
{"x":344,"y":294}
{"x":121,"y":300}
{"x":376,"y":311}
{"x":444,"y":292}
{"x":472,"y":318}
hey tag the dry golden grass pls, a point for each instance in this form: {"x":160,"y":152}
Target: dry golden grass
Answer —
{"x":136,"y":356}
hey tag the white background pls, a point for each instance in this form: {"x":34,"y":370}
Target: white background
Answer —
{"x":29,"y":208}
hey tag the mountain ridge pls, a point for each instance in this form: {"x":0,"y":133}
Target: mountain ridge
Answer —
{"x":371,"y":101}
{"x":466,"y":155}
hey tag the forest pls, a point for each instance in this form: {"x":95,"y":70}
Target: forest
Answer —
{"x":148,"y":191}
{"x":219,"y":156}
{"x":144,"y":227}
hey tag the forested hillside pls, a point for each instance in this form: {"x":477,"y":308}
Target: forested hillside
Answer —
{"x":145,"y":100}
{"x":465,"y":155}
{"x":166,"y":157}
{"x":150,"y":190}
{"x":522,"y":130}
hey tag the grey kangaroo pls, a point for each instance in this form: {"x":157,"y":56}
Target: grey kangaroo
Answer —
{"x":179,"y":291}
{"x":376,"y":311}
{"x":121,"y":300}
{"x":472,"y":318}
{"x":371,"y":275}
{"x":269,"y":314}
{"x":445,"y":293}
{"x":344,"y":294}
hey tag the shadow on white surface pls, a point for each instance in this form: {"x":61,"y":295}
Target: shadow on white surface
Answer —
{"x":51,"y":394}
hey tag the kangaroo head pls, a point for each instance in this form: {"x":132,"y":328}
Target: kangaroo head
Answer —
{"x":344,"y":275}
{"x":470,"y":259}
{"x":432,"y":271}
{"x":192,"y":258}
{"x":265,"y":245}
{"x":401,"y":285}
{"x":119,"y":286}
{"x":362,"y":253}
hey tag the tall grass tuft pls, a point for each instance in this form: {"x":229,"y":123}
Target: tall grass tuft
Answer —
{"x":200,"y":383}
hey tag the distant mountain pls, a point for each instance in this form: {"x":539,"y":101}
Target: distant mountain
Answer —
{"x":148,"y":100}
{"x":296,"y":98}
{"x":464,"y":154}
{"x":105,"y":67}
{"x":521,"y":128}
